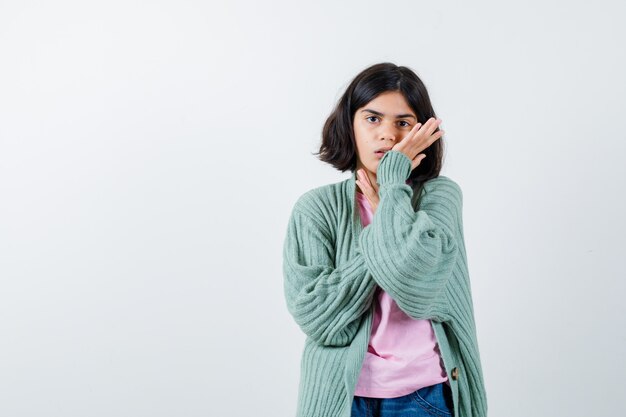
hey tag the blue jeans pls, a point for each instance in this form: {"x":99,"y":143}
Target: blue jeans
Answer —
{"x":433,"y":401}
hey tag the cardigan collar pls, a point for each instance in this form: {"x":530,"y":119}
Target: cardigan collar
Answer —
{"x":354,"y":209}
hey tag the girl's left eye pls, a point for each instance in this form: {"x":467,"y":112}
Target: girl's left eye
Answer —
{"x":406,"y":124}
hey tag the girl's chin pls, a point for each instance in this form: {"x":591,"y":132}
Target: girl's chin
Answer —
{"x":371,"y":167}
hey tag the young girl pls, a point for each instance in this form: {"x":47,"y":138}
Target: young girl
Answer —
{"x":375,"y":268}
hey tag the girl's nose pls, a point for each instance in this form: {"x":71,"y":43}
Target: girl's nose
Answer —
{"x":389,"y":133}
{"x":389,"y":129}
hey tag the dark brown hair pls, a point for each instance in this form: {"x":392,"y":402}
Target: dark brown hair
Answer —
{"x":338,"y":146}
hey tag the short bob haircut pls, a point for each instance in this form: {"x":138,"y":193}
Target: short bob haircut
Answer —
{"x":338,"y":146}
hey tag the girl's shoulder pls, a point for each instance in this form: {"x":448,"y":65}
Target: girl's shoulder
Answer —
{"x":321,"y":202}
{"x":441,"y":189}
{"x":443,"y":184}
{"x":441,"y":179}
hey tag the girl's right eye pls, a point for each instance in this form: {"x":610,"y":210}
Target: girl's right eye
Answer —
{"x":369,"y":117}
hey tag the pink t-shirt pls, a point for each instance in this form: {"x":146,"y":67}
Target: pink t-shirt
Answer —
{"x":402,"y":355}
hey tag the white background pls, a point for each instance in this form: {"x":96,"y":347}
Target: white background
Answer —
{"x":150,"y":154}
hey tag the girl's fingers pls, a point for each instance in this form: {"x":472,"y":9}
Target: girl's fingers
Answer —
{"x":427,"y":125}
{"x":417,"y":160}
{"x":425,"y":137}
{"x":432,"y":125}
{"x":436,"y":123}
{"x":364,"y":178}
{"x":366,"y":186}
{"x":437,"y":135}
{"x":367,"y":191}
{"x":361,"y":183}
{"x":415,"y":129}
{"x":412,"y":133}
{"x":420,"y":130}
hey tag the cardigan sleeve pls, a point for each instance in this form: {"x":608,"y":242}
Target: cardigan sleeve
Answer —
{"x":411,"y":254}
{"x":326,"y":302}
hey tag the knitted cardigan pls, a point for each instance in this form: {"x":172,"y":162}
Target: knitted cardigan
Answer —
{"x":413,"y":249}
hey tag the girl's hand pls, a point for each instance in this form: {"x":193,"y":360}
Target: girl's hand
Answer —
{"x":418,"y":139}
{"x":370,"y":192}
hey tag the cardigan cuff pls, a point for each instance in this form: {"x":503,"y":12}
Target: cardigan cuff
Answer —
{"x":394,"y":167}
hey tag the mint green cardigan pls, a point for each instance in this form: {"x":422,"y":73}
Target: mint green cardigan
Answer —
{"x":413,"y":249}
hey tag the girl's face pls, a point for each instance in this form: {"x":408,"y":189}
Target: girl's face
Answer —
{"x":381,"y":123}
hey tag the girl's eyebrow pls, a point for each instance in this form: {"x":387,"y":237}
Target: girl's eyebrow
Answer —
{"x":399,"y":116}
